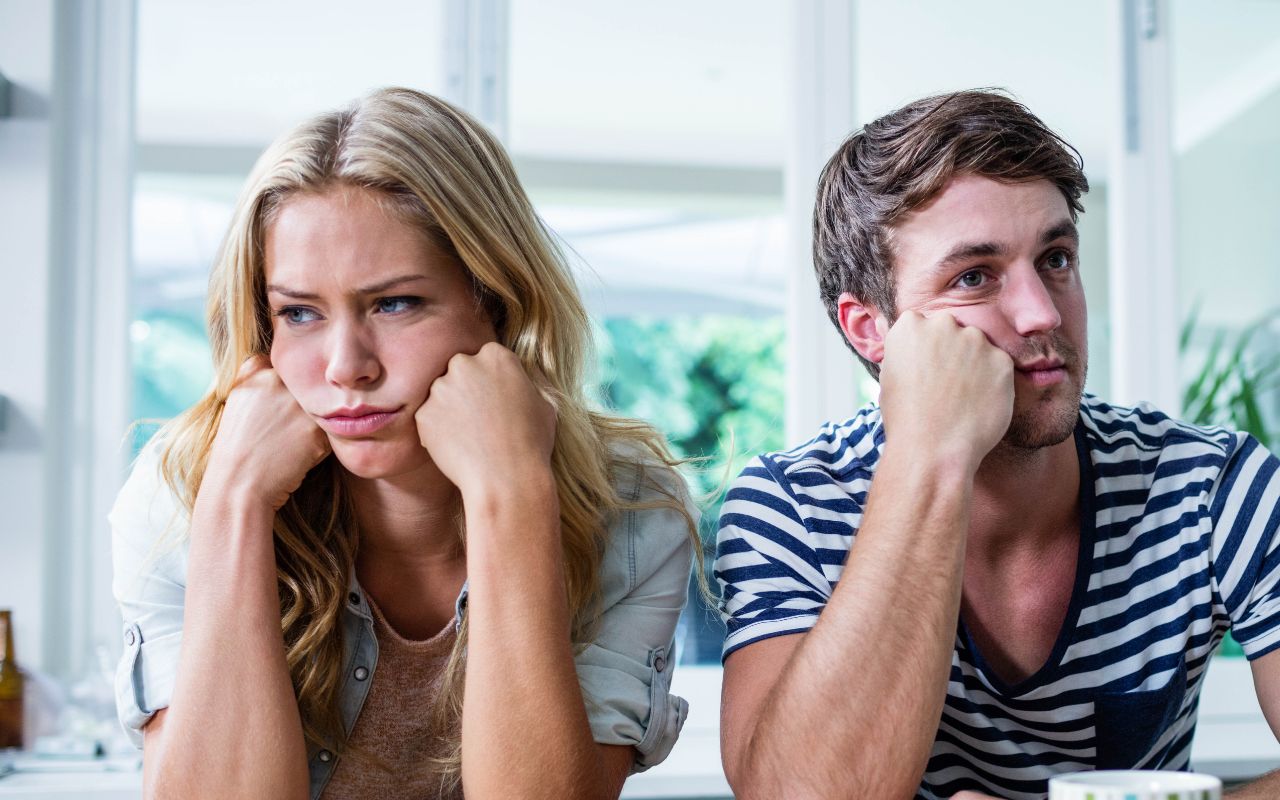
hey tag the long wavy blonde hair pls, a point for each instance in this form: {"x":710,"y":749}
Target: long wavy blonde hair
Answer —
{"x":448,"y":177}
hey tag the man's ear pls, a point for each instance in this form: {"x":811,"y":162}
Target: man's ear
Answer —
{"x":864,"y":326}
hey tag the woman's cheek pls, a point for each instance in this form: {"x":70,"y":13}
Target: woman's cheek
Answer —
{"x":293,"y":366}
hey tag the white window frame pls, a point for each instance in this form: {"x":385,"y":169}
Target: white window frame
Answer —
{"x":89,"y":371}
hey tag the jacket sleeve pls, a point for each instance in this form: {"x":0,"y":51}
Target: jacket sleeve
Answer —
{"x":149,"y":554}
{"x":625,"y":672}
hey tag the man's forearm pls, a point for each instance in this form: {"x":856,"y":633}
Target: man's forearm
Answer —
{"x":855,"y":712}
{"x":1265,"y":788}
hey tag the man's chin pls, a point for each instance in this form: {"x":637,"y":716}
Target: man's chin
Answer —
{"x":1045,"y":424}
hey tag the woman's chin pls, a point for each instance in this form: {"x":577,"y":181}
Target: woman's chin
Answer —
{"x":370,"y":458}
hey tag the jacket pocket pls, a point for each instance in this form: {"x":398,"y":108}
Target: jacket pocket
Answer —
{"x":1128,"y":724}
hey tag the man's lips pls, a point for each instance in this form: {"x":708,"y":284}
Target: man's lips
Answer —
{"x":358,"y":421}
{"x":1043,"y":372}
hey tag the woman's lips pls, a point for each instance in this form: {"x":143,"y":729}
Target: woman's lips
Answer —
{"x":361,"y":425}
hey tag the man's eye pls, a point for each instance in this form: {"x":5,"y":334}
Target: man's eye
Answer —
{"x":971,"y":279}
{"x":398,"y":305}
{"x":296,"y":315}
{"x":1059,"y":259}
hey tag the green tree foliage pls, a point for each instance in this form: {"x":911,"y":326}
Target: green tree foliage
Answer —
{"x":714,"y":386}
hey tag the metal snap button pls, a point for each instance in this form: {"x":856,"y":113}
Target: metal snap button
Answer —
{"x":325,"y":756}
{"x":659,"y":663}
{"x":354,"y":598}
{"x":361,"y":673}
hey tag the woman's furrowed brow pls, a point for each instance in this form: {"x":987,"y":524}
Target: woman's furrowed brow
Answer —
{"x":373,"y":288}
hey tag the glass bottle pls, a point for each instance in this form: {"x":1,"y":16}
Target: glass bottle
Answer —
{"x":10,"y":687}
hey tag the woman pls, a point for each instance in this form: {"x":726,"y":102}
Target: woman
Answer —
{"x":395,"y":490}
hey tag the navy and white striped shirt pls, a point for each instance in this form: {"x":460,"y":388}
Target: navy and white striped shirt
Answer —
{"x":1179,"y":543}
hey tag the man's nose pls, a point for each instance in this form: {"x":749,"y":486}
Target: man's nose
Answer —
{"x":1030,"y":306}
{"x":352,"y":357}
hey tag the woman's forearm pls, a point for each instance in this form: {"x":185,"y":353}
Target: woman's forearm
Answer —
{"x":524,"y":725}
{"x":232,"y":728}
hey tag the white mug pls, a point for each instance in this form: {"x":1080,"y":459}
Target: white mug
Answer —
{"x":1134,"y":785}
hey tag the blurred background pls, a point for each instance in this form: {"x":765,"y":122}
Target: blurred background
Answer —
{"x":672,"y":146}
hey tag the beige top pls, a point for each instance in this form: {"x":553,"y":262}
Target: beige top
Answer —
{"x":394,"y":724}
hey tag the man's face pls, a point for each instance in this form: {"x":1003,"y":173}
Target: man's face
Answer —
{"x":1003,"y":258}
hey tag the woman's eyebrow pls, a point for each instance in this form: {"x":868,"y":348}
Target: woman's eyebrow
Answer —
{"x":374,"y":288}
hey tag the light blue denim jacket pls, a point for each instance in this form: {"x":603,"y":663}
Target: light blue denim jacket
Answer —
{"x":625,"y":673}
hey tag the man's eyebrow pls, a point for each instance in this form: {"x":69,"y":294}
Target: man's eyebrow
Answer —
{"x":370,"y":289}
{"x":1066,"y":229}
{"x":966,"y":251}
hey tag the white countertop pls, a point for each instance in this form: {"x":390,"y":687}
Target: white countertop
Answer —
{"x":1233,"y":742}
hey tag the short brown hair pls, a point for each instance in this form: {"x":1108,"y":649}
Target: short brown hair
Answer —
{"x":901,"y":161}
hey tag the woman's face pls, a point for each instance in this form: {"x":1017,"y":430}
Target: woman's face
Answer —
{"x":366,"y":312}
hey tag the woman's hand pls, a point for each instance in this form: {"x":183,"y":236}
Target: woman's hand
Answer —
{"x":266,"y":444}
{"x":967,"y":795}
{"x":486,"y":425}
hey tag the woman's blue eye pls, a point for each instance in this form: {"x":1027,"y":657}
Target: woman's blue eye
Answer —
{"x":971,"y":279}
{"x":397,"y":305}
{"x":296,"y":315}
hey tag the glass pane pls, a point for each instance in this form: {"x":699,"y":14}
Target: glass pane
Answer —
{"x":178,"y":222}
{"x":1226,"y":70}
{"x":242,"y":72}
{"x":660,"y":166}
{"x":670,"y":82}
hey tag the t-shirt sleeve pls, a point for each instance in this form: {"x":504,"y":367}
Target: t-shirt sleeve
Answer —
{"x":149,"y":583}
{"x":1245,"y":509}
{"x":770,"y":572}
{"x":625,"y":672}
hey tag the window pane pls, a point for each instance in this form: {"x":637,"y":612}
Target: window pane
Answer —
{"x":1226,"y":69}
{"x":653,"y":144}
{"x":242,"y":72}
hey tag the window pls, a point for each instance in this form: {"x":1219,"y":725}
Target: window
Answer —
{"x":653,"y":144}
{"x":1226,"y":151}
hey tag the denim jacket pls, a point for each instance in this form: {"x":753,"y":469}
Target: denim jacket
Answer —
{"x":625,"y":672}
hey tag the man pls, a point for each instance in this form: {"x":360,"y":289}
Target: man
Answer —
{"x":990,"y":578}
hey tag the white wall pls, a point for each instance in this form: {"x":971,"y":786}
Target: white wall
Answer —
{"x":26,"y":59}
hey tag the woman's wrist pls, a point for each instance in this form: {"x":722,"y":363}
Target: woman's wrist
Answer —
{"x":524,"y":493}
{"x":234,"y":495}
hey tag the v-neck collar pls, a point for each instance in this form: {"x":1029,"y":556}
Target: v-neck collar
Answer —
{"x":1049,"y":671}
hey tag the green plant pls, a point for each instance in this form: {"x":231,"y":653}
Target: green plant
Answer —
{"x":1229,"y":389}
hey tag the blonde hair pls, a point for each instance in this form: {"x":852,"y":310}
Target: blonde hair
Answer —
{"x":447,"y":176}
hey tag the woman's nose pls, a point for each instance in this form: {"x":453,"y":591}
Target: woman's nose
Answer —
{"x":352,"y":357}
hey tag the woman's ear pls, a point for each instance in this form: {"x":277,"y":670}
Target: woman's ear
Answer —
{"x":864,"y":326}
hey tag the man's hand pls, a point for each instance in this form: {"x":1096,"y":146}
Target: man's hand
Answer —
{"x":944,"y":388}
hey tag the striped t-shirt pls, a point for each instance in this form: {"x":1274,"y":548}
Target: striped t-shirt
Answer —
{"x":1178,"y":544}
